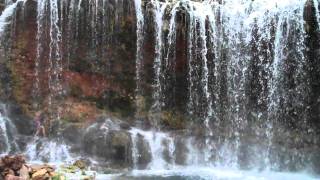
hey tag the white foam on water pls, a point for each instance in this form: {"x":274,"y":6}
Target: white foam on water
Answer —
{"x":223,"y":174}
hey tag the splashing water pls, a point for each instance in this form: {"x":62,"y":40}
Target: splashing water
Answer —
{"x":7,"y":133}
{"x":48,"y":151}
{"x":155,"y":141}
{"x":6,"y":147}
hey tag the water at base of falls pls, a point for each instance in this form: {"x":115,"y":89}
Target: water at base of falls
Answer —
{"x":48,"y":151}
{"x":7,"y":133}
{"x":191,"y":173}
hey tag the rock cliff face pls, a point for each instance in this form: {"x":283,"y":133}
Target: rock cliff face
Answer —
{"x":248,"y":77}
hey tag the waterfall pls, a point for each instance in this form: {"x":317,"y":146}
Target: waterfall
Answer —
{"x":7,"y":13}
{"x":159,"y":11}
{"x":54,"y":65}
{"x":316,"y":5}
{"x":245,"y":93}
{"x":223,"y":47}
{"x":7,"y":133}
{"x":6,"y":147}
{"x":139,"y":55}
{"x":41,"y":14}
{"x":155,"y":141}
{"x":55,"y":56}
{"x":48,"y":151}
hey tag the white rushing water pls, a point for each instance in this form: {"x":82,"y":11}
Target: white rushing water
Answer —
{"x":48,"y":151}
{"x":139,"y":55}
{"x":8,"y":130}
{"x":159,"y":167}
{"x":41,"y":15}
{"x":155,"y":141}
{"x":49,"y":22}
{"x":213,"y":29}
{"x":158,"y":20}
{"x":234,"y":27}
{"x":4,"y":134}
{"x":7,"y":13}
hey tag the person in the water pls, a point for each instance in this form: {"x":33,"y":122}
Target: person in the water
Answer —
{"x":39,"y":123}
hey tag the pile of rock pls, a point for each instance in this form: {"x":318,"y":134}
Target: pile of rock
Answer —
{"x":15,"y":168}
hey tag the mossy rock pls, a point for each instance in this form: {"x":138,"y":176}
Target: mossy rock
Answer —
{"x":80,"y":164}
{"x":172,"y":120}
{"x":58,"y":177}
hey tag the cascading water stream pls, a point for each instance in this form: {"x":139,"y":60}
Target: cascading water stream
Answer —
{"x":155,"y":141}
{"x":7,"y":133}
{"x":316,"y":5}
{"x":55,"y":58}
{"x":49,"y":151}
{"x":158,"y":18}
{"x":6,"y":147}
{"x":7,"y":13}
{"x":54,"y":69}
{"x":139,"y":55}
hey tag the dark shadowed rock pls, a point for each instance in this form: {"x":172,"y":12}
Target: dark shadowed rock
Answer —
{"x":181,"y":151}
{"x":72,"y":133}
{"x":144,"y":154}
{"x":106,"y":140}
{"x":23,"y":123}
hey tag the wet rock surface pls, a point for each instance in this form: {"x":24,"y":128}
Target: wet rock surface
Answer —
{"x":105,"y":139}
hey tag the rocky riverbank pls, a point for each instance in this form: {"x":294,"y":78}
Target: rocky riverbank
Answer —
{"x":16,"y":168}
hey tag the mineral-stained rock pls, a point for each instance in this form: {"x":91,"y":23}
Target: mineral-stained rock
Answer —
{"x":40,"y":175}
{"x":121,"y":146}
{"x":12,"y":177}
{"x":80,"y":164}
{"x":10,"y":165}
{"x":24,"y":172}
{"x":125,"y":126}
{"x":106,"y":140}
{"x":7,"y":172}
{"x":36,"y":168}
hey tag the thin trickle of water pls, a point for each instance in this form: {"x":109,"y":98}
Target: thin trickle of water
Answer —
{"x":139,"y":55}
{"x":41,"y":14}
{"x":171,"y":38}
{"x":316,"y":5}
{"x":55,"y":56}
{"x":158,"y":20}
{"x":49,"y":10}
